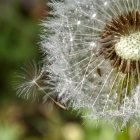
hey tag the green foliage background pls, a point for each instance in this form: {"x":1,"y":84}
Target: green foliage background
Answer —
{"x":22,"y":120}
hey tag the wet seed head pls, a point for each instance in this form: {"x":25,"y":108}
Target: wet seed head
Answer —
{"x":120,"y":42}
{"x":92,"y":53}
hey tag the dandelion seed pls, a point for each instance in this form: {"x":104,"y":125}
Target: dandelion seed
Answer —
{"x":30,"y":81}
{"x":27,"y":81}
{"x":94,"y":57}
{"x":34,"y":82}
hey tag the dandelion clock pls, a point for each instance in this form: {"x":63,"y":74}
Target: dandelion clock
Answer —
{"x":92,"y":59}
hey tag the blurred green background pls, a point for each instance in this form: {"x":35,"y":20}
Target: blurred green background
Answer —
{"x":20,"y":119}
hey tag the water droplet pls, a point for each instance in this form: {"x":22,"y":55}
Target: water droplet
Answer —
{"x":92,"y":45}
{"x":78,"y":22}
{"x":94,"y":15}
{"x":105,"y":3}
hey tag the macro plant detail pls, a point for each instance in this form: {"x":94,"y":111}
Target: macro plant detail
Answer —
{"x":92,"y":58}
{"x":120,"y":43}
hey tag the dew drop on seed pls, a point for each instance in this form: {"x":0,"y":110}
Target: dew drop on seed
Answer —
{"x":78,"y":22}
{"x":94,"y":15}
{"x":105,"y":3}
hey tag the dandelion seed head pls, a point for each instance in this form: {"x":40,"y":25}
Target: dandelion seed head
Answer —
{"x":94,"y":57}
